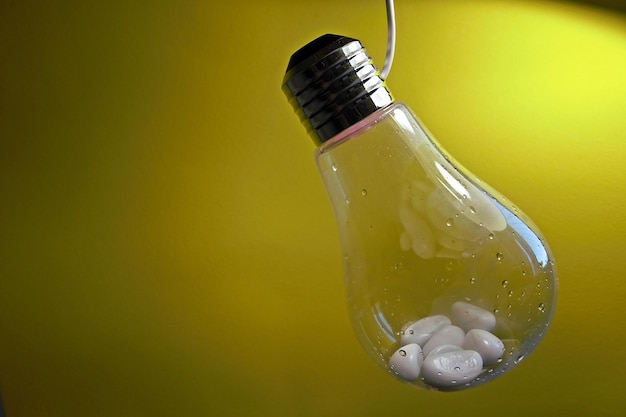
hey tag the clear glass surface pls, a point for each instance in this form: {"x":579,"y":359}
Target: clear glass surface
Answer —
{"x":422,"y":237}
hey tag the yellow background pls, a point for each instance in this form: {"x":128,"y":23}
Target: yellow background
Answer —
{"x":167,"y":247}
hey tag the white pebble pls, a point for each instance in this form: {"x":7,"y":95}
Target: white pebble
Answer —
{"x":420,"y":234}
{"x":447,"y":370}
{"x":407,"y":361}
{"x":443,"y":214}
{"x":468,"y":316}
{"x":488,"y":345}
{"x":405,"y":242}
{"x":448,"y":253}
{"x":420,"y":331}
{"x":485,"y":212}
{"x":445,"y":349}
{"x":449,"y":335}
{"x":449,"y":242}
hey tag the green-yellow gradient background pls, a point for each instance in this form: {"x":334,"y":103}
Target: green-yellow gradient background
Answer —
{"x":166,"y":244}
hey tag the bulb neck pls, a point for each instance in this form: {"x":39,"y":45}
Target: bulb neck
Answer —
{"x":333,"y":84}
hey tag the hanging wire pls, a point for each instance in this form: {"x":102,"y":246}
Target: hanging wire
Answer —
{"x":391,"y":39}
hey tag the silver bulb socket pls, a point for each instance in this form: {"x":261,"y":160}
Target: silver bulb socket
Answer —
{"x":332,"y":84}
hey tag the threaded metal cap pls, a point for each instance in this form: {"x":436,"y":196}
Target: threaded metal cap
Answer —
{"x":333,"y":84}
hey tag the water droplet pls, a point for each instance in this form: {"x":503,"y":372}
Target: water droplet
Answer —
{"x":334,"y":167}
{"x":505,"y":283}
{"x":510,"y":293}
{"x":472,"y":209}
{"x":542,"y":307}
{"x":402,"y":352}
{"x":523,"y":272}
{"x":449,"y":222}
{"x":472,"y":280}
{"x":411,"y":331}
{"x":491,"y":236}
{"x":453,"y":381}
{"x":496,"y":311}
{"x":499,"y":256}
{"x":457,"y":368}
{"x":363,"y":192}
{"x":519,"y":359}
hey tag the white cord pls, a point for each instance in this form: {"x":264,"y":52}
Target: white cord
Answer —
{"x":391,"y":39}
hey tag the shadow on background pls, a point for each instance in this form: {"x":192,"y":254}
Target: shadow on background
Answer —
{"x":612,"y":5}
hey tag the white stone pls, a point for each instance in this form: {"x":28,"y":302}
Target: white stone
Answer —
{"x":449,"y":242}
{"x":444,"y":213}
{"x":407,"y":361}
{"x":451,"y":369}
{"x":468,"y":316}
{"x":420,"y":331}
{"x":449,"y":335}
{"x":420,"y":234}
{"x":484,"y":212}
{"x":405,"y":242}
{"x":445,"y":349}
{"x":488,"y":345}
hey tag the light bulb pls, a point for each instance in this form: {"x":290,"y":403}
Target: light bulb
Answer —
{"x":449,"y":285}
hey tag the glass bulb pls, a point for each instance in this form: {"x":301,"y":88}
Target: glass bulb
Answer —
{"x":449,"y":284}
